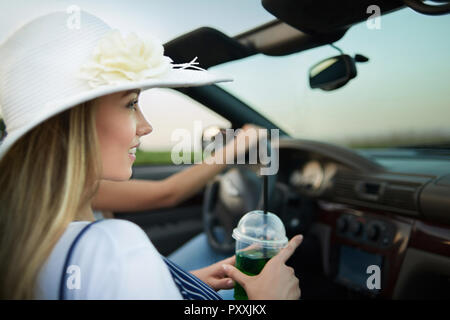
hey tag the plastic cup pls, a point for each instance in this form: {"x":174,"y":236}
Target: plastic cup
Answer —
{"x":259,"y":236}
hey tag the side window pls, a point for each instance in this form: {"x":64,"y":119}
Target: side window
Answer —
{"x":175,"y":119}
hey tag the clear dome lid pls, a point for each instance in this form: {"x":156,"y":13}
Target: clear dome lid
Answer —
{"x":257,"y":227}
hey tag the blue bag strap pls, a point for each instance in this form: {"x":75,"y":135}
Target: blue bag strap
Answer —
{"x":190,"y":287}
{"x":62,"y":291}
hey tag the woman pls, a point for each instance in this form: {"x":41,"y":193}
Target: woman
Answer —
{"x":69,"y":100}
{"x":138,"y":195}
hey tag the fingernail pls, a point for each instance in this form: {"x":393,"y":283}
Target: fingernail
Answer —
{"x":230,"y":282}
{"x":225,"y":267}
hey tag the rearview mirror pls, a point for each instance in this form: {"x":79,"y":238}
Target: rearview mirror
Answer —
{"x":332,"y":73}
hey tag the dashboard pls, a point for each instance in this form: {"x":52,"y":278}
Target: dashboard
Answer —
{"x":369,"y":210}
{"x":313,"y":177}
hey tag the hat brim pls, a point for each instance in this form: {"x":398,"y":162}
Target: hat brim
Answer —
{"x":174,"y":78}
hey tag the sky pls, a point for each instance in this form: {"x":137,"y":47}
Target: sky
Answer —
{"x":165,"y":19}
{"x":402,"y":91}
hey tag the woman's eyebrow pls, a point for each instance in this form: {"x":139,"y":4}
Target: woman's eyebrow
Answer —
{"x":126,"y":93}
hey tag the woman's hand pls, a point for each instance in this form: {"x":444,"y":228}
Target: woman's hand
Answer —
{"x":215,"y":275}
{"x":246,"y":138}
{"x":276,"y":281}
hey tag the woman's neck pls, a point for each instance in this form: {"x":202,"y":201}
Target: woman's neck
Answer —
{"x":86,"y":214}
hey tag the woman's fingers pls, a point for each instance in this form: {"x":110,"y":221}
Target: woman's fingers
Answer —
{"x":223,"y":284}
{"x":276,"y":281}
{"x":231,"y":260}
{"x":236,"y":275}
{"x":289,"y":250}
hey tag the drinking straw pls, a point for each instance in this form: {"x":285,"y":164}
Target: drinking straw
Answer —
{"x":265,"y":196}
{"x":265,"y":181}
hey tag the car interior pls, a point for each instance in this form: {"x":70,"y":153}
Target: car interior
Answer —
{"x":355,"y":207}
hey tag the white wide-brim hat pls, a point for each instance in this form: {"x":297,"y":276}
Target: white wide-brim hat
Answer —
{"x":55,"y":62}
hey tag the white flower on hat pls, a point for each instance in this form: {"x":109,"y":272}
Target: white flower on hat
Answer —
{"x":116,"y":60}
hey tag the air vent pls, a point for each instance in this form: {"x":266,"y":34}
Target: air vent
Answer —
{"x":375,"y":193}
{"x":344,"y":185}
{"x":401,"y":197}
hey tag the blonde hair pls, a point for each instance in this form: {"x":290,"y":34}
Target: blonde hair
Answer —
{"x":45,"y":178}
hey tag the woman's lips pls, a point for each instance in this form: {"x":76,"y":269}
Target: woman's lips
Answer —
{"x":132,"y":153}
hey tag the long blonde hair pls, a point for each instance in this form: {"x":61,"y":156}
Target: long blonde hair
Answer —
{"x":45,"y":178}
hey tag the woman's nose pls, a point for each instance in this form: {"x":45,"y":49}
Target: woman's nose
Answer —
{"x":143,"y":126}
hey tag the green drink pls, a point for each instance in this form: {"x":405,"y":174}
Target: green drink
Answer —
{"x":259,"y":236}
{"x":251,"y":263}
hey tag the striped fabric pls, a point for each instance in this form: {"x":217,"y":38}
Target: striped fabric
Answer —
{"x":191,"y":287}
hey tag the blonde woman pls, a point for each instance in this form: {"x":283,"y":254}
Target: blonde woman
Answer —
{"x":137,"y":195}
{"x":70,"y":105}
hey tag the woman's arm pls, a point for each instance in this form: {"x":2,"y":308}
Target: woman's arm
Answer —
{"x":137,"y":195}
{"x":132,"y":195}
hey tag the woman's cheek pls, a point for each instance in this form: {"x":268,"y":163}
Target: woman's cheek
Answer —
{"x":131,"y":130}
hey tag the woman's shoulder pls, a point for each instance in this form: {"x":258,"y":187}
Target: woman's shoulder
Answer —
{"x":101,"y":241}
{"x":115,"y":259}
{"x":121,"y":262}
{"x":112,"y":239}
{"x":121,"y":234}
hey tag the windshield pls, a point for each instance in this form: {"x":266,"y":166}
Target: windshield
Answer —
{"x":400,"y":97}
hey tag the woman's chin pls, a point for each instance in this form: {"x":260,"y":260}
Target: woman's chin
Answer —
{"x":116,"y":176}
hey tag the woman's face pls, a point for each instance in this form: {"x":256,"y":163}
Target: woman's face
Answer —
{"x":120,"y":124}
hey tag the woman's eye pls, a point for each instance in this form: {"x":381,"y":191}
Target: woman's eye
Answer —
{"x":132,"y":104}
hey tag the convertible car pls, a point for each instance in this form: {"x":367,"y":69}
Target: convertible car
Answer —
{"x":364,"y":153}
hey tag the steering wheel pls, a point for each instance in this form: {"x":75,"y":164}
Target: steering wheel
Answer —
{"x":227,"y":198}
